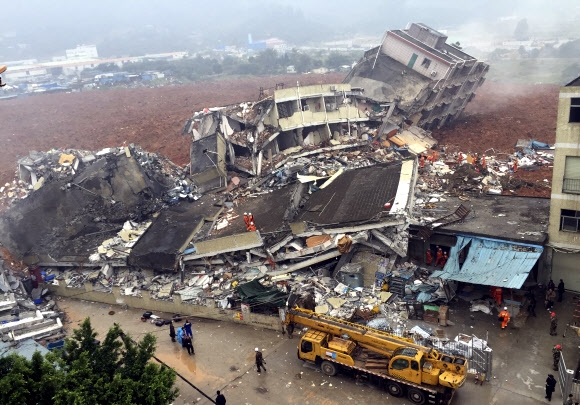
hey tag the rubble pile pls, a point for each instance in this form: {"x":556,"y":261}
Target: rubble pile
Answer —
{"x":27,"y":310}
{"x":463,"y":175}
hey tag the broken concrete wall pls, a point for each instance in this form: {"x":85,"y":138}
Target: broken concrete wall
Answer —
{"x":173,"y":307}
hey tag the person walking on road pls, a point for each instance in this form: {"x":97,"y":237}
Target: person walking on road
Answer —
{"x":172,"y":331}
{"x":504,"y":317}
{"x":550,"y":298}
{"x":532,"y":304}
{"x":560,"y":290}
{"x":188,"y":344}
{"x":556,"y":354}
{"x":570,"y":400}
{"x":259,"y":360}
{"x":220,"y":399}
{"x":187,"y":328}
{"x":553,"y":324}
{"x":550,"y":386}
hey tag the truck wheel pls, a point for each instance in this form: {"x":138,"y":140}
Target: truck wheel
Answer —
{"x":394,"y":389}
{"x":328,"y":368}
{"x":416,"y":396}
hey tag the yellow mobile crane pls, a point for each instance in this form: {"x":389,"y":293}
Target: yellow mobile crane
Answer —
{"x":395,"y":363}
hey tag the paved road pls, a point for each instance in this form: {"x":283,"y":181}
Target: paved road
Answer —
{"x":225,"y":352}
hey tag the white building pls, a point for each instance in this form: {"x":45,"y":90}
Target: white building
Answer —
{"x":82,"y":52}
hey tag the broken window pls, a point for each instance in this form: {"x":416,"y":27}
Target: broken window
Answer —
{"x":574,"y":110}
{"x":569,"y":220}
{"x":285,"y":109}
{"x":571,"y":183}
{"x":426,"y":62}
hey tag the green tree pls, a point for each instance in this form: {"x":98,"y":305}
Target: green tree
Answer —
{"x":335,"y":60}
{"x":118,"y":371}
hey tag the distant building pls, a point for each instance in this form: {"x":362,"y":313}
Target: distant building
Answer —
{"x":82,"y":52}
{"x":564,"y":229}
{"x":428,"y":81}
{"x":290,"y":69}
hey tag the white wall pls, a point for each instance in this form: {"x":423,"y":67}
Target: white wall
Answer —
{"x":402,"y":52}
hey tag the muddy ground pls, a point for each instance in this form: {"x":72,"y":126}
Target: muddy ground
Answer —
{"x":499,"y":115}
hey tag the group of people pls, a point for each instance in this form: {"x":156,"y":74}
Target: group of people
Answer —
{"x":551,"y":293}
{"x":441,"y":257}
{"x":186,"y":339}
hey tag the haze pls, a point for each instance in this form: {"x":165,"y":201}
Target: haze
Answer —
{"x":41,"y":29}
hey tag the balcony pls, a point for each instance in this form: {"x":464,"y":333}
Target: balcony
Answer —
{"x":571,"y":186}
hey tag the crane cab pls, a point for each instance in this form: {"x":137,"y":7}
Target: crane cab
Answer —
{"x":316,"y":346}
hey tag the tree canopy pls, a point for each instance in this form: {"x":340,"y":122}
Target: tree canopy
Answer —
{"x":116,"y":371}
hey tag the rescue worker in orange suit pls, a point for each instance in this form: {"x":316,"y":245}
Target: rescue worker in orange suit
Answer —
{"x":483,"y":163}
{"x":433,"y":157}
{"x":496,"y":293}
{"x":443,"y":260}
{"x":246,"y":219}
{"x":460,"y":158}
{"x":251,"y":227}
{"x":515,"y":165}
{"x":504,"y":317}
{"x":438,"y":256}
{"x":422,"y":161}
{"x":428,"y":258}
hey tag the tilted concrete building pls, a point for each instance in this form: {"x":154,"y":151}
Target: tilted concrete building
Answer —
{"x":428,"y":81}
{"x":564,"y":230}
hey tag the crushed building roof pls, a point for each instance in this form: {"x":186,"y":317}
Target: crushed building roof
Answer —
{"x":518,"y":219}
{"x":171,"y":233}
{"x":355,"y":195}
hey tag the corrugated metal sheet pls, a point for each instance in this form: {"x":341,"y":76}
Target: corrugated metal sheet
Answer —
{"x":24,"y":348}
{"x":490,"y":262}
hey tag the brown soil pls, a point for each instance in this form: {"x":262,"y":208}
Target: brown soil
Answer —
{"x":150,"y":117}
{"x":501,"y":114}
{"x":153,"y":118}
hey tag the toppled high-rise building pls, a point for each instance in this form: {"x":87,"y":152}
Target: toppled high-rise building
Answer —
{"x":415,"y":70}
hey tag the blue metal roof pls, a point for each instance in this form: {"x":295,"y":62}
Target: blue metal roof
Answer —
{"x":490,"y":262}
{"x":25,"y":348}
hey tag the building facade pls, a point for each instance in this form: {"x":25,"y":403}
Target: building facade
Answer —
{"x":564,"y":230}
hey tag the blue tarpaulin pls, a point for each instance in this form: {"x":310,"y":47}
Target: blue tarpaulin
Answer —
{"x":490,"y":262}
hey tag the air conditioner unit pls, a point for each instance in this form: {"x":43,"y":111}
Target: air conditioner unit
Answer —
{"x":433,"y":73}
{"x":332,"y":88}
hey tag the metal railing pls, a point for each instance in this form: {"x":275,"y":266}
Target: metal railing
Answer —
{"x":571,"y":186}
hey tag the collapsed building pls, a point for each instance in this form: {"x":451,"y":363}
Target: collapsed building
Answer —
{"x":423,"y":78}
{"x":315,"y":190}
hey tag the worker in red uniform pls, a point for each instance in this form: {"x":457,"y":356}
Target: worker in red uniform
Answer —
{"x":251,"y":227}
{"x":443,"y":260}
{"x":504,"y":316}
{"x":422,"y":161}
{"x":428,"y":258}
{"x":460,"y":158}
{"x":246,"y":220}
{"x":438,"y":256}
{"x":496,"y":293}
{"x":483,"y":163}
{"x":515,"y":165}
